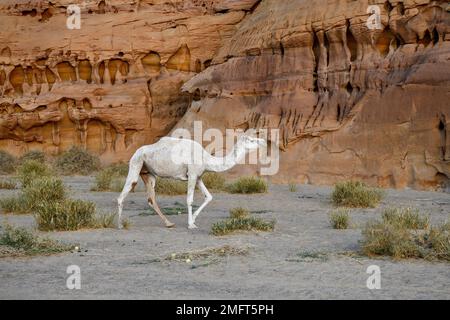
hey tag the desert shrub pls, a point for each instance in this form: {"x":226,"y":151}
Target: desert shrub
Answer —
{"x":40,"y":190}
{"x":46,"y":189}
{"x":356,"y":194}
{"x":7,"y":162}
{"x":111,"y":178}
{"x":106,"y":220}
{"x":240,"y":220}
{"x":170,"y":187}
{"x":242,"y":224}
{"x":407,"y":217}
{"x":399,"y":238}
{"x":117,"y":184}
{"x":214,"y":181}
{"x":292,"y":187}
{"x":19,"y":241}
{"x":65,"y":215}
{"x":77,"y":161}
{"x":31,"y":170}
{"x":207,"y":256}
{"x":14,"y":204}
{"x":7,"y":184}
{"x":239,"y":213}
{"x":438,"y":240}
{"x":340,"y":219}
{"x":33,"y":155}
{"x":248,"y":185}
{"x":385,"y":239}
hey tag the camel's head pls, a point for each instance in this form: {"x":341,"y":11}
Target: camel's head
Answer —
{"x":251,"y":142}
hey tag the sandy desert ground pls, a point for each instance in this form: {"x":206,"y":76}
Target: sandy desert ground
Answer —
{"x":128,"y":264}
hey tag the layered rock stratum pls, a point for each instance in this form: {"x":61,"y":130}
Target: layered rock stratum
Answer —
{"x":351,"y":102}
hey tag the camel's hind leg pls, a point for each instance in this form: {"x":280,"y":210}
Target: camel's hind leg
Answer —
{"x":130,"y":183}
{"x":150,"y":182}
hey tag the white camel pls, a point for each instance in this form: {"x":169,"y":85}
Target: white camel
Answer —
{"x":181,"y":159}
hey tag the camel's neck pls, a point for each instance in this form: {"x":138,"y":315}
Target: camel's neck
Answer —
{"x":221,"y":164}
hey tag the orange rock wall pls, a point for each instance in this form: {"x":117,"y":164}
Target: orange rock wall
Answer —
{"x":112,"y":85}
{"x":350,"y":103}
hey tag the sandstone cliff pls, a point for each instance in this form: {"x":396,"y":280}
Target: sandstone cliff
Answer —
{"x":112,"y":85}
{"x":350,"y":102}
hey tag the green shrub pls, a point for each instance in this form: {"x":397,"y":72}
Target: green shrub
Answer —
{"x":240,"y":220}
{"x":214,"y":181}
{"x":20,"y":241}
{"x":248,"y":185}
{"x":117,"y":184}
{"x":397,"y":236}
{"x":111,"y":178}
{"x":44,"y":190}
{"x":292,"y":187}
{"x":39,"y":190}
{"x":65,"y":215}
{"x":7,"y":162}
{"x":7,"y":184}
{"x":340,"y":219}
{"x":170,"y":187}
{"x":438,"y":240}
{"x":238,"y":213}
{"x":242,"y":224}
{"x":31,"y":170}
{"x":15,"y":204}
{"x":106,"y":220}
{"x":356,"y":194}
{"x":387,"y":239}
{"x":77,"y":161}
{"x":406,"y":217}
{"x":33,"y":155}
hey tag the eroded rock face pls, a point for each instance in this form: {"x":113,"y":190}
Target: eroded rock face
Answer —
{"x":112,"y":85}
{"x":350,"y":102}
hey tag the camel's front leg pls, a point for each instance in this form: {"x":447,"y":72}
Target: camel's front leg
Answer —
{"x":190,"y":200}
{"x":206,"y":194}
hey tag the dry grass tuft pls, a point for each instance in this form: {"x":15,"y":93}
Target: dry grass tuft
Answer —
{"x":208,"y":256}
{"x":402,"y":234}
{"x":248,"y":185}
{"x":292,"y":187}
{"x":7,"y":162}
{"x":77,"y":161}
{"x":356,"y":194}
{"x":37,"y":191}
{"x":14,"y":204}
{"x":111,"y":178}
{"x":31,"y":170}
{"x":20,"y":242}
{"x":214,"y":181}
{"x":33,"y":155}
{"x":240,"y":220}
{"x":8,"y":184}
{"x":239,"y":213}
{"x":170,"y":187}
{"x":407,"y":217}
{"x":340,"y":218}
{"x":66,"y":215}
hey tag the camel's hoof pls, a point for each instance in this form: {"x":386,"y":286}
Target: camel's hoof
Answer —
{"x":170,"y":225}
{"x":192,"y":226}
